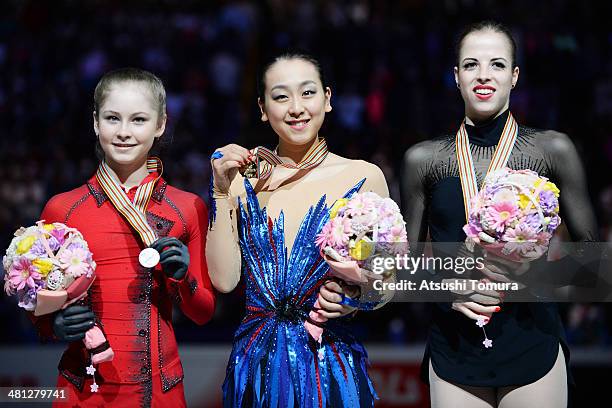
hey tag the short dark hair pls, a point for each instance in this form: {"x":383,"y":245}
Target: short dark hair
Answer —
{"x":286,"y":56}
{"x":487,"y":25}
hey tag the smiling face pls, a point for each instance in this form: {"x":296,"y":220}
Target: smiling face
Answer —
{"x":127,"y":123}
{"x":485,"y":74}
{"x":294,"y":102}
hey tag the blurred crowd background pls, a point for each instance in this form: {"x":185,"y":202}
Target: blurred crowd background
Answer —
{"x":389,"y":64}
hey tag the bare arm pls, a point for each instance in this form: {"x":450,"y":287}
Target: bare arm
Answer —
{"x":222,"y":249}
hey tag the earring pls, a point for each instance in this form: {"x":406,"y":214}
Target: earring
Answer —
{"x":513,"y":85}
{"x":458,"y":86}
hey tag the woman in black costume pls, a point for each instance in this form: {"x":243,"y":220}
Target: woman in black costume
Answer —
{"x":527,"y":366}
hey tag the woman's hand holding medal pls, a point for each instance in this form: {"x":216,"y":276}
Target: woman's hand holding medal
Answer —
{"x":226,"y":162}
{"x":174,"y":256}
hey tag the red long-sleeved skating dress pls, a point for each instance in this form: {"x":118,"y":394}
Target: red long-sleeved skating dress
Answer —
{"x":133,"y":304}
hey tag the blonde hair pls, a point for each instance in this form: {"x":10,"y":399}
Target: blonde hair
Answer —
{"x":152,"y":82}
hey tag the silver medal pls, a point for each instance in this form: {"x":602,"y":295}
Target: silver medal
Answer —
{"x":148,"y":257}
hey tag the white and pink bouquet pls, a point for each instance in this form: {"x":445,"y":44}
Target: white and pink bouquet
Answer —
{"x":359,"y":230}
{"x":49,"y":267}
{"x":514,"y":215}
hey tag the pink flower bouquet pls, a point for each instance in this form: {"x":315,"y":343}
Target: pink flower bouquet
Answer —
{"x":359,"y":229}
{"x":514,"y":215}
{"x":49,"y":267}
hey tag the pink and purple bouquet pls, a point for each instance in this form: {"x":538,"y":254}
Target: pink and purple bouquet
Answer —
{"x":514,"y":215}
{"x":49,"y":267}
{"x":46,"y":258}
{"x":360,"y":229}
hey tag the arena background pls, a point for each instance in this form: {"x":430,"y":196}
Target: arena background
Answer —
{"x":389,"y":64}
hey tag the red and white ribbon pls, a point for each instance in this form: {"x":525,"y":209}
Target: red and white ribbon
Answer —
{"x":469,"y":186}
{"x":134,"y":213}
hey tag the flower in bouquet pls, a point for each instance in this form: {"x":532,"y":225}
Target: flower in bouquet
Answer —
{"x":335,"y":233}
{"x":522,"y":238}
{"x":27,"y":296}
{"x":75,"y":261}
{"x":22,"y":273}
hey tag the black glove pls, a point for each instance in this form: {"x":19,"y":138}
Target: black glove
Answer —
{"x":70,"y":324}
{"x":174,"y":256}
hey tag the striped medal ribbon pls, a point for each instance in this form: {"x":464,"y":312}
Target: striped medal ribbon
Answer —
{"x":266,"y":159}
{"x":467,"y":174}
{"x":469,"y":186}
{"x":134,"y":212}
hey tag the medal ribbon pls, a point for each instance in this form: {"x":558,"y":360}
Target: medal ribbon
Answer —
{"x":469,"y":186}
{"x":134,"y":213}
{"x":267,"y":159}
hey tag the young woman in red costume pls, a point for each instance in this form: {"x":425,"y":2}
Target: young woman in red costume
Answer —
{"x":131,"y":299}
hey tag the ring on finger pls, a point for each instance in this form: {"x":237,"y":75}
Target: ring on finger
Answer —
{"x":216,"y":155}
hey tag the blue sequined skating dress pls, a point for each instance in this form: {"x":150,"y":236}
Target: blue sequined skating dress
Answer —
{"x":274,"y":362}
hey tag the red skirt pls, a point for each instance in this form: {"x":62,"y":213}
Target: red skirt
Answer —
{"x":121,"y":395}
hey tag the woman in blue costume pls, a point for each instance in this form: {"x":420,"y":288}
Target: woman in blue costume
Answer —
{"x":527,"y":365}
{"x":266,"y":226}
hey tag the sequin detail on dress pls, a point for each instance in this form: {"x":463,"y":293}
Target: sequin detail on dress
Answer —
{"x":274,"y":362}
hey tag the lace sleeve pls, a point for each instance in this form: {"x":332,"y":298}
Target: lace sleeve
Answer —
{"x":417,"y":160}
{"x":568,"y":173}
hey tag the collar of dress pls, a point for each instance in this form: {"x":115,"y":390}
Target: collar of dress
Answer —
{"x":100,"y":196}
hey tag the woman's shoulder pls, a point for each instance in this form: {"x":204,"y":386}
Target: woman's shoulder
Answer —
{"x":190,"y":208}
{"x":58,"y":206}
{"x":422,"y":152}
{"x":553,"y":143}
{"x":183,"y":198}
{"x":356,"y":166}
{"x":373,"y":176}
{"x":69,"y":197}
